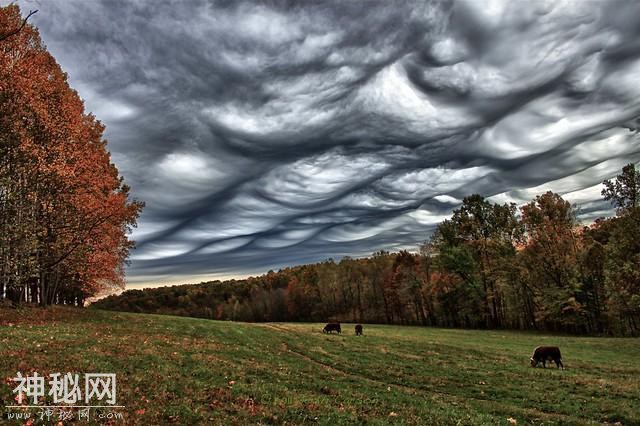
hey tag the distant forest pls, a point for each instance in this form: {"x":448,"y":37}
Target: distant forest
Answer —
{"x":488,"y":266}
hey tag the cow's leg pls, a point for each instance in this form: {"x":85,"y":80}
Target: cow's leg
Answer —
{"x":544,"y":363}
{"x":559,"y":363}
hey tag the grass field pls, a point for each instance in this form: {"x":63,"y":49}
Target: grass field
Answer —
{"x":193,"y":371}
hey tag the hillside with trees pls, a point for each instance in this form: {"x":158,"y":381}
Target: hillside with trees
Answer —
{"x":65,"y":212}
{"x":487,"y":266}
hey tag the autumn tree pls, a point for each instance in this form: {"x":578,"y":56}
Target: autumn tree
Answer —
{"x":65,"y":210}
{"x":383,"y":297}
{"x":408,"y":280}
{"x":13,"y":31}
{"x":551,"y":258}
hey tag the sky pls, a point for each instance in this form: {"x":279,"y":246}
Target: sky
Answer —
{"x":268,"y":134}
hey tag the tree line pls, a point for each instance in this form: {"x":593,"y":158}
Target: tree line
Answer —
{"x":65,"y":212}
{"x":488,"y":266}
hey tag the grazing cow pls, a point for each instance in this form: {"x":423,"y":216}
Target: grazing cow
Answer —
{"x":331,"y":327}
{"x":358,"y":329}
{"x":546,"y":353}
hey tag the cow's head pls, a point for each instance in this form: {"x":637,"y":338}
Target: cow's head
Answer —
{"x":533,"y":362}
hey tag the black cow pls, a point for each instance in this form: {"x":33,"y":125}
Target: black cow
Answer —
{"x":331,"y":327}
{"x":358,"y":329}
{"x":546,"y":353}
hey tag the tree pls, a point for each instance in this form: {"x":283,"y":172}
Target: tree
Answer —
{"x":473,"y":244}
{"x":622,"y":271}
{"x":9,"y":33}
{"x":65,"y":210}
{"x":380,"y":270}
{"x":591,"y":263}
{"x":550,"y":257}
{"x":624,"y":190}
{"x":406,"y":275}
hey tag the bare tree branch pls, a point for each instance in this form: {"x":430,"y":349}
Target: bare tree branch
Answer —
{"x":17,"y":30}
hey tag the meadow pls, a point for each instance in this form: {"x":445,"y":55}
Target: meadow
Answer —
{"x":194,"y":371}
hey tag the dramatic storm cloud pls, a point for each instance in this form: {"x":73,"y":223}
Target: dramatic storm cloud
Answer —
{"x":263,"y":134}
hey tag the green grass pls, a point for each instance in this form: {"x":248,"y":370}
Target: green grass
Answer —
{"x":193,"y":371}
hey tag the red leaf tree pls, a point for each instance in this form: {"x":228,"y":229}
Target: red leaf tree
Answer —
{"x":65,"y":210}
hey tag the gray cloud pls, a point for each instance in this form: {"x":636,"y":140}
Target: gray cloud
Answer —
{"x":262,"y":134}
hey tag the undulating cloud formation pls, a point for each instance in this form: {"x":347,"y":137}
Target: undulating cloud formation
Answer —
{"x":264,"y":134}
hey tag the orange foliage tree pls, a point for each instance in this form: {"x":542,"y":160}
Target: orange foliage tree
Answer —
{"x":65,"y":210}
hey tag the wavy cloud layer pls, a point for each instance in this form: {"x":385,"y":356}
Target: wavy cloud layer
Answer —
{"x":263,"y":135}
